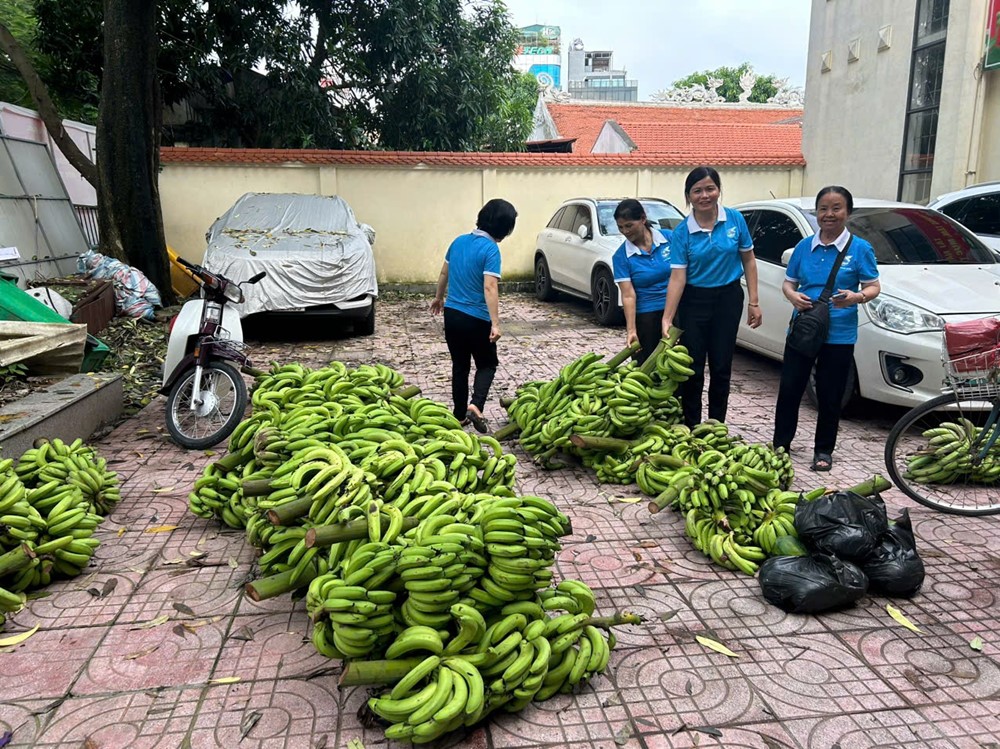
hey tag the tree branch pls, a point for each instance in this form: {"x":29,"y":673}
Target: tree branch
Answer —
{"x":46,"y":108}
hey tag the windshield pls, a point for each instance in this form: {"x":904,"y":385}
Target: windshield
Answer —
{"x":660,"y":213}
{"x":915,"y":236}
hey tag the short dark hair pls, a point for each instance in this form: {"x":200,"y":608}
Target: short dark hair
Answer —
{"x":838,"y":190}
{"x":697,"y":175}
{"x":630,"y":209}
{"x":496,"y":218}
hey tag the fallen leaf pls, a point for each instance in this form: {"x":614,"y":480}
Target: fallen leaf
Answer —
{"x":243,"y":633}
{"x":666,"y":616}
{"x":249,"y":722}
{"x":109,"y":587}
{"x":718,"y":647}
{"x":138,"y":454}
{"x":161,"y":619}
{"x":176,"y":560}
{"x":184,"y":609}
{"x":180,"y":630}
{"x":901,"y":618}
{"x":209,"y":453}
{"x":688,"y":689}
{"x":640,"y":590}
{"x":233,"y":563}
{"x":163,"y":489}
{"x":225,"y":680}
{"x":90,"y":744}
{"x":141,"y":653}
{"x":197,"y":554}
{"x":17,"y":639}
{"x":121,"y":531}
{"x":648,"y":545}
{"x":710,"y":730}
{"x":622,"y":737}
{"x":629,"y":500}
{"x":590,"y":538}
{"x":976,"y":644}
{"x":161,"y":529}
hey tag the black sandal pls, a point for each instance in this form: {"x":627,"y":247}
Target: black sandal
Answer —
{"x":477,"y":421}
{"x":821,"y":462}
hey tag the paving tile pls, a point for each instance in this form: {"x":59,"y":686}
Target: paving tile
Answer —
{"x":765,"y":735}
{"x":871,"y":729}
{"x":666,"y":615}
{"x":23,"y":719}
{"x":130,"y":658}
{"x":925,"y":668}
{"x":92,"y":600}
{"x":602,"y":564}
{"x":280,"y":648}
{"x":49,"y":663}
{"x":153,"y":719}
{"x":973,"y":724}
{"x":207,"y":591}
{"x":683,"y":684}
{"x":812,"y":674}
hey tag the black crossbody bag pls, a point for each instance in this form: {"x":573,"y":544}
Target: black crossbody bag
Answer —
{"x":808,"y":330}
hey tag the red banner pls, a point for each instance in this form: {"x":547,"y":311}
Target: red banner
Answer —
{"x":993,"y":35}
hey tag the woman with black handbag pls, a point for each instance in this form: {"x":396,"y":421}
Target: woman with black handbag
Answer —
{"x":832,"y":267}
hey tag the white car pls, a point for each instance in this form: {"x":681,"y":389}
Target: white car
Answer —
{"x":571,"y":256}
{"x":977,"y":208}
{"x":932,"y":271}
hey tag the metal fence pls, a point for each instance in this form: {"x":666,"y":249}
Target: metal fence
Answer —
{"x":87,"y":216}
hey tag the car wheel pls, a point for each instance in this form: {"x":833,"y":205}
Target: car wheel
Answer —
{"x":367,"y":325}
{"x":604,"y":294}
{"x":543,"y":281}
{"x":850,"y":391}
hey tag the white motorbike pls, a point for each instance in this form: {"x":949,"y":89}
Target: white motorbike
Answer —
{"x":206,"y":394}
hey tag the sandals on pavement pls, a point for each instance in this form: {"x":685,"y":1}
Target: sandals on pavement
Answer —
{"x":477,"y":421}
{"x":822,"y":462}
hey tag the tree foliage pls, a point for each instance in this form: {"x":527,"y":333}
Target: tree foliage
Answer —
{"x":763,"y":89}
{"x":394,"y":74}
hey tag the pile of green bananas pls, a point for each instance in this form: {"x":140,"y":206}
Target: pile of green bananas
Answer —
{"x":397,"y":444}
{"x":51,"y":500}
{"x":505,"y":660}
{"x":948,"y":456}
{"x":595,"y":399}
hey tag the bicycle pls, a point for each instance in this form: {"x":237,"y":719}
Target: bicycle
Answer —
{"x":945,"y":453}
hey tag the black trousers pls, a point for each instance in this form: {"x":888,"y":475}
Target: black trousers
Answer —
{"x":710,"y":318}
{"x":833,"y":363}
{"x":468,"y":339}
{"x":649,"y":328}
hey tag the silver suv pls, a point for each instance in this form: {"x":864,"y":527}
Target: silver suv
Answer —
{"x":573,"y":252}
{"x":977,"y":208}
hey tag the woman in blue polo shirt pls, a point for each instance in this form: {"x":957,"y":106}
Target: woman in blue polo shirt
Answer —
{"x":471,"y":275}
{"x":711,"y":252}
{"x":642,"y":270}
{"x":806,"y":276}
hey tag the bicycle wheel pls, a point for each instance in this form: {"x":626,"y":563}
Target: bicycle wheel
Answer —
{"x":223,"y":401}
{"x":929,"y":456}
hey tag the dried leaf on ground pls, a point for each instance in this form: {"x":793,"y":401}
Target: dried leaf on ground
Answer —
{"x":900,"y":618}
{"x":161,"y":529}
{"x":976,"y":644}
{"x":161,"y":619}
{"x":718,"y":647}
{"x":9,"y":642}
{"x":251,"y":719}
{"x":141,"y":653}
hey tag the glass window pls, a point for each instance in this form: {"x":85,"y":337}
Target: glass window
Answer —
{"x":661,"y":214}
{"x":982,"y":214}
{"x":915,"y":188}
{"x":932,"y":21}
{"x":573,"y":217}
{"x":554,"y":221}
{"x":772,"y":234}
{"x":955,"y":210}
{"x":917,"y":236}
{"x":921,"y":136}
{"x":928,"y":72}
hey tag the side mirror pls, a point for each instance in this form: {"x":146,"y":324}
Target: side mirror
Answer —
{"x":583,"y":231}
{"x":786,"y":256}
{"x":256,"y":278}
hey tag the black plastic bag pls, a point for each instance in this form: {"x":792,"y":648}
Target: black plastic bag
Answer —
{"x":844,"y":524}
{"x":895,"y":568}
{"x":809,"y":585}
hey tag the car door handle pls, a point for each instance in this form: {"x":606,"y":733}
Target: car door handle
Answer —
{"x":568,"y":240}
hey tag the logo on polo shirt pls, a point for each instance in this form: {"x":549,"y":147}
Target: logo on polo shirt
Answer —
{"x":731,"y":232}
{"x":665,"y":252}
{"x":847,"y":259}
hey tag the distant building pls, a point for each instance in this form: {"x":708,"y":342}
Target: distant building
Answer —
{"x":593,"y":77}
{"x":539,"y":53}
{"x":902,"y":99}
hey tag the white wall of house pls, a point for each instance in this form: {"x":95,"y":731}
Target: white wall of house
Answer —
{"x":855,"y":113}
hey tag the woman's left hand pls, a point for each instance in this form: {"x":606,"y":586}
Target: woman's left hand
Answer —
{"x":754,"y":316}
{"x":849,"y":298}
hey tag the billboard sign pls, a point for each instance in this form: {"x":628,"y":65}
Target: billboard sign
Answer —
{"x":993,"y":35}
{"x":539,"y":40}
{"x":547,"y":75}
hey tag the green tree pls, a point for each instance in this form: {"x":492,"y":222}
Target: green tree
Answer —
{"x":763,"y":89}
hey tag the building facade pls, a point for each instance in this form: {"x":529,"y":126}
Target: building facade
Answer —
{"x":538,"y":53}
{"x":903,"y":97}
{"x":592,"y":76}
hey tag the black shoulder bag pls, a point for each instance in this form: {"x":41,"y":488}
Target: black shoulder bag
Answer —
{"x":808,"y":330}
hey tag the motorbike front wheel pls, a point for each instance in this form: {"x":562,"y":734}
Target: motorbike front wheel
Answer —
{"x":223,"y":401}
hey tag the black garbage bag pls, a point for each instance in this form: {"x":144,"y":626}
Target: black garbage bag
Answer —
{"x":809,"y":585}
{"x":895,"y":568}
{"x":844,"y":524}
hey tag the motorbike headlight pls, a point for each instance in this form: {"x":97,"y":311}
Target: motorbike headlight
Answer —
{"x":901,"y":317}
{"x":234,"y":294}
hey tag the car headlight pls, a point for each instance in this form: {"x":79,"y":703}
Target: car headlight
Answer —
{"x":901,"y":317}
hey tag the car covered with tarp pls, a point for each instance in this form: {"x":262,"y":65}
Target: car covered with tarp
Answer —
{"x":317,"y":256}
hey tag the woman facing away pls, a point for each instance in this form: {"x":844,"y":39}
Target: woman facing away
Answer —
{"x":856,"y":283}
{"x":467,"y":292}
{"x":642,"y":271}
{"x":712,"y":251}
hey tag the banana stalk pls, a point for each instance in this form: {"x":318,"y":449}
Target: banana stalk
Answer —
{"x":276,"y":585}
{"x":327,"y":535}
{"x":285,"y":513}
{"x":618,"y":359}
{"x":649,"y":366}
{"x":604,"y":444}
{"x":506,"y":432}
{"x":407,"y":391}
{"x":873,"y":486}
{"x":669,"y":495}
{"x":362,"y":673}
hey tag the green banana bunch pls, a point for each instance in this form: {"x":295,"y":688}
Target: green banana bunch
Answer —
{"x":948,"y":457}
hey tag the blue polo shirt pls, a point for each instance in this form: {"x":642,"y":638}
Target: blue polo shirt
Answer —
{"x":649,"y":272}
{"x":712,"y":257}
{"x":469,"y":258}
{"x":810,"y":265}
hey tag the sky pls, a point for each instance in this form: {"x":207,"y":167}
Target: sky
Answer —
{"x":659,"y":41}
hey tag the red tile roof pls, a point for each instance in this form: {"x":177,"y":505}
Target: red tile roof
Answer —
{"x":279,"y":156}
{"x":709,"y":141}
{"x":585,"y":121}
